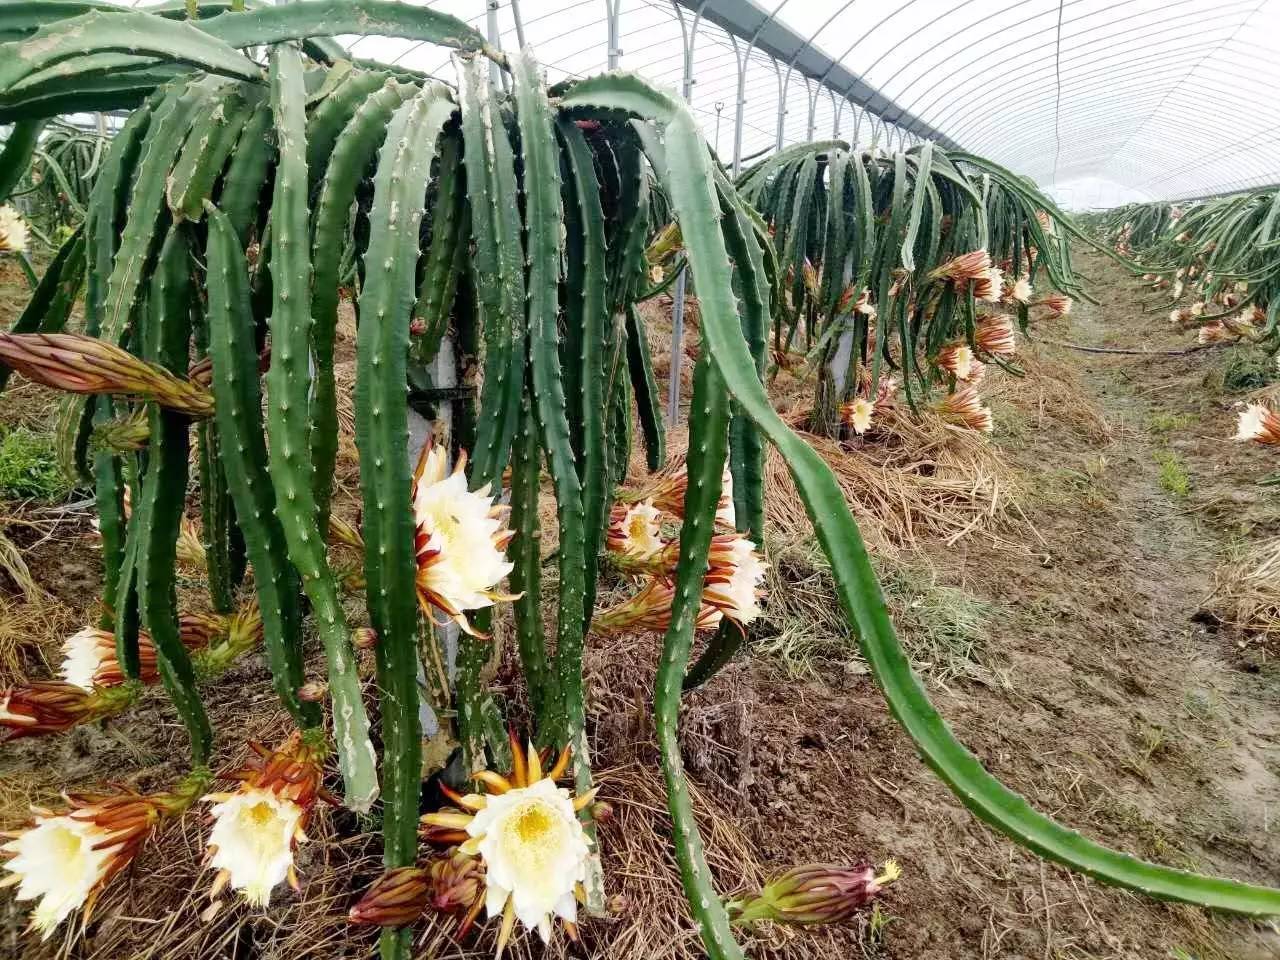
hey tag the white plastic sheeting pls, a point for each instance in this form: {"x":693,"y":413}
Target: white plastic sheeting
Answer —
{"x":1099,"y":101}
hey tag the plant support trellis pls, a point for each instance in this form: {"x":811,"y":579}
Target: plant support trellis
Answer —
{"x":516,"y":227}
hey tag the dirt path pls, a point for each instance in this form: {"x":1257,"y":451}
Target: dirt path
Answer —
{"x":1149,"y":727}
{"x":1100,"y":691}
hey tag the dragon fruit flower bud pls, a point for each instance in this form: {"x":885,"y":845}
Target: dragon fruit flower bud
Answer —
{"x":81,"y":364}
{"x":396,"y":899}
{"x":815,"y":893}
{"x":52,"y":706}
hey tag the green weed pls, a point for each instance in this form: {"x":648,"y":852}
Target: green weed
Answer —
{"x":29,"y":468}
{"x":1162,"y":422}
{"x":1242,"y":369}
{"x":1173,"y":473}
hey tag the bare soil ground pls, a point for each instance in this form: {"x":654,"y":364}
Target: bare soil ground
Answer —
{"x":1066,"y":641}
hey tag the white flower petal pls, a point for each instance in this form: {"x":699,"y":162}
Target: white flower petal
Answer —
{"x":81,"y":657}
{"x":534,"y":848}
{"x":253,"y":835}
{"x":58,"y":864}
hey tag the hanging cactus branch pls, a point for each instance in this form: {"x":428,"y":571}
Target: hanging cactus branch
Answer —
{"x":494,"y":247}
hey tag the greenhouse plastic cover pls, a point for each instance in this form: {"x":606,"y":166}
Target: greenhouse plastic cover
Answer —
{"x":1099,"y":101}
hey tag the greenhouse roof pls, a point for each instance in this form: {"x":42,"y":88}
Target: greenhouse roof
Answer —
{"x":1098,"y":101}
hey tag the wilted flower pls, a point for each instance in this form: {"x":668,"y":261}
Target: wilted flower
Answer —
{"x":862,"y":304}
{"x":122,"y":434}
{"x":89,"y":655}
{"x":991,"y":288}
{"x":667,"y":243}
{"x":80,"y":364}
{"x":396,"y":899}
{"x":1183,"y":237}
{"x":1259,"y":423}
{"x":89,"y":659}
{"x":734,"y":578}
{"x":971,"y":267}
{"x":221,"y":639}
{"x":731,"y":589}
{"x":650,"y":609}
{"x":1214,"y":332}
{"x":1018,"y":291}
{"x":313,"y":692}
{"x":635,"y":530}
{"x":460,"y":538}
{"x":51,"y":706}
{"x":13,"y":230}
{"x":256,"y":828}
{"x":1244,"y":325}
{"x":811,"y":279}
{"x":190,"y":548}
{"x":527,"y":834}
{"x":666,"y":492}
{"x":857,"y":413}
{"x":815,"y":893}
{"x":64,"y":860}
{"x":1057,"y":303}
{"x":964,"y":408}
{"x":458,"y":887}
{"x":994,"y":335}
{"x":886,"y":391}
{"x":957,"y":360}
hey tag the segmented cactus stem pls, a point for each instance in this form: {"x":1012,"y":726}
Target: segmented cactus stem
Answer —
{"x":708,"y":446}
{"x":158,"y":513}
{"x":243,"y":457}
{"x":386,"y":302}
{"x":543,"y":215}
{"x":289,"y":424}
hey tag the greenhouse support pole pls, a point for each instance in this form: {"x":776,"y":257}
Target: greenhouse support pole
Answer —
{"x":813,"y":107}
{"x":496,"y":77}
{"x":739,"y":106}
{"x":783,"y":84}
{"x":690,"y":34}
{"x":519,"y":22}
{"x":613,"y":8}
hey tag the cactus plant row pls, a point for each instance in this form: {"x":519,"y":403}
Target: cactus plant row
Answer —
{"x":509,"y":232}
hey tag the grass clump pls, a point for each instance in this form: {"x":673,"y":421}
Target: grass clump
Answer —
{"x":942,"y":627}
{"x":1162,"y":422}
{"x":29,"y":468}
{"x":1173,"y":473}
{"x":1243,"y":369}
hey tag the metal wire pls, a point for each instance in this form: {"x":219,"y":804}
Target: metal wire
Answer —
{"x":1154,"y":97}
